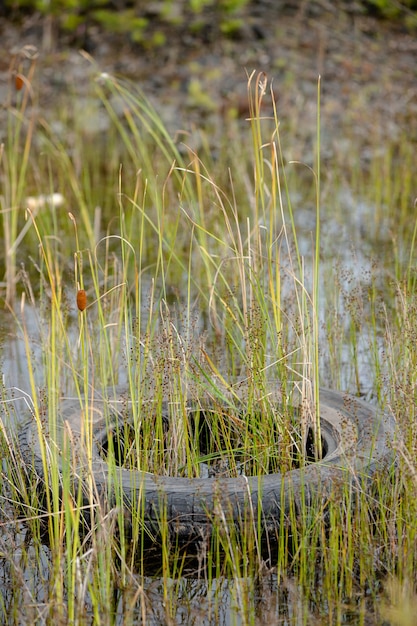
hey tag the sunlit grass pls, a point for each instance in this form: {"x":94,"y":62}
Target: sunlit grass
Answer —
{"x":192,"y":285}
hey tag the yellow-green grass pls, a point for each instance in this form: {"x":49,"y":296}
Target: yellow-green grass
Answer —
{"x":193,"y":277}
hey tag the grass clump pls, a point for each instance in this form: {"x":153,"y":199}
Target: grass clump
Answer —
{"x":191,"y":286}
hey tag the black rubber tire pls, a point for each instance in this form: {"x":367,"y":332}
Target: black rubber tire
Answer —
{"x":357,"y":438}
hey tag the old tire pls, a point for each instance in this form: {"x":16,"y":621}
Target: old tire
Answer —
{"x":357,"y":439}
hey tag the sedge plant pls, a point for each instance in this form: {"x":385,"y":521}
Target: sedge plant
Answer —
{"x":189,"y":290}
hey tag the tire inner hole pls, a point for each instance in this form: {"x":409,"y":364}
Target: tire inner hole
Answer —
{"x":219,"y":453}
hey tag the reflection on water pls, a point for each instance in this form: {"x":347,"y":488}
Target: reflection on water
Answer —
{"x":13,"y":359}
{"x":185,"y":593}
{"x":263,"y":599}
{"x":199,"y":597}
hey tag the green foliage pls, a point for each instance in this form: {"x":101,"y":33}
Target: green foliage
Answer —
{"x":54,"y":7}
{"x":226,"y":6}
{"x":120,"y":22}
{"x":397,"y":9}
{"x":136,"y":21}
{"x":231,"y":26}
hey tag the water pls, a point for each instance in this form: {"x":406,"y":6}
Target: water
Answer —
{"x":355,"y":231}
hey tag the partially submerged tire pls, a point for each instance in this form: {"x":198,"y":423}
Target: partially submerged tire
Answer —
{"x":357,"y":441}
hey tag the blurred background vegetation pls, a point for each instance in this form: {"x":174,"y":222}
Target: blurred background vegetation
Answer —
{"x":149,"y":22}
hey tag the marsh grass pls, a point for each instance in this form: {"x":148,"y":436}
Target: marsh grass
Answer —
{"x":188,"y":290}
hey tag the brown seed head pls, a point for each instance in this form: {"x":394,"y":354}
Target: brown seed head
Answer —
{"x":18,"y":82}
{"x":81,"y":299}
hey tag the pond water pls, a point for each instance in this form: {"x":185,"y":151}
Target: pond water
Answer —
{"x":197,"y":596}
{"x":367,"y":224}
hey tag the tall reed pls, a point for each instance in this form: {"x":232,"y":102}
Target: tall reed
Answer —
{"x":191,"y":285}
